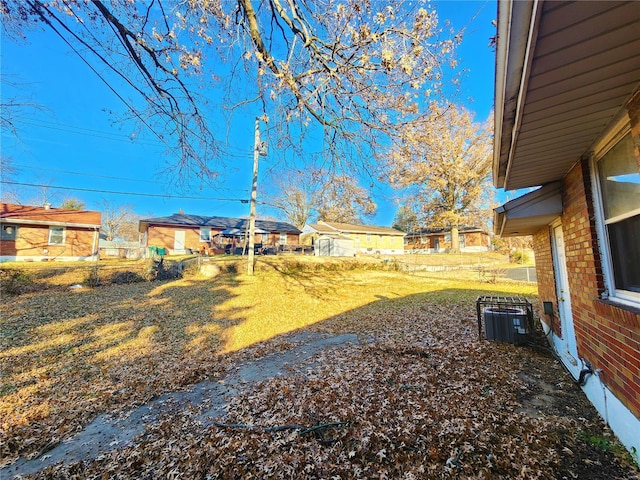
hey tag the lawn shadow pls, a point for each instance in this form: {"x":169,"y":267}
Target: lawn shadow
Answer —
{"x":70,"y":355}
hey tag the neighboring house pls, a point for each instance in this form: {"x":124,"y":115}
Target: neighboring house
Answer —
{"x":434,"y":240}
{"x":366,"y":239}
{"x":29,"y":233}
{"x":181,"y":233}
{"x":567,"y":119}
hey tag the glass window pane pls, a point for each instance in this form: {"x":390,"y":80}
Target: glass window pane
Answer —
{"x":56,"y":235}
{"x":624,"y":240}
{"x":620,"y":179}
{"x":205,"y":234}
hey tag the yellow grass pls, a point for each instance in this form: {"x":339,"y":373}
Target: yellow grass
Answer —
{"x":69,"y":355}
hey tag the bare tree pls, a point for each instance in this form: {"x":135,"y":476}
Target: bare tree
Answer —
{"x":342,"y":200}
{"x":448,"y":166}
{"x":296,"y":196}
{"x":319,"y":195}
{"x":119,"y":221}
{"x":356,"y":72}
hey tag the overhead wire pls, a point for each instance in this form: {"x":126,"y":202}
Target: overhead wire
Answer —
{"x":137,"y":194}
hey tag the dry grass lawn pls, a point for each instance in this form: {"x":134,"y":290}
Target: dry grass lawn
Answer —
{"x":69,"y":355}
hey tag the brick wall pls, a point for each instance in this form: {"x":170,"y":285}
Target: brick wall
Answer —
{"x":546,"y":279}
{"x":607,"y":335}
{"x":164,"y":236}
{"x":33,"y":241}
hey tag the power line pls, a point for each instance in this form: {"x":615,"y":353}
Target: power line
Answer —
{"x":137,"y":194}
{"x":228,"y":150}
{"x":70,"y":172}
{"x":85,"y":131}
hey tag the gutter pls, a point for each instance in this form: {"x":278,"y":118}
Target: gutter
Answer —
{"x":19,"y":221}
{"x":517,"y":33}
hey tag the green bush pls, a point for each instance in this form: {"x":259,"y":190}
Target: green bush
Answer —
{"x":519,"y":257}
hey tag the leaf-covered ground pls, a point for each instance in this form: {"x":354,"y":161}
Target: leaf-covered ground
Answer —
{"x":420,"y":397}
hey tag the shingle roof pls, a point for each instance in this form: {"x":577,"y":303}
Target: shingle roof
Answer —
{"x":349,"y":228}
{"x":222,"y":223}
{"x":28,"y":214}
{"x":435,"y":231}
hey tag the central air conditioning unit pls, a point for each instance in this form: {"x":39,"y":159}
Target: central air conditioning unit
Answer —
{"x":506,"y":319}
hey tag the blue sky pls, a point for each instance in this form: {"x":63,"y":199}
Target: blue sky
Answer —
{"x":74,"y":138}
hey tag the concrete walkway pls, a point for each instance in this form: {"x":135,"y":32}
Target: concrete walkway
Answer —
{"x":106,"y":433}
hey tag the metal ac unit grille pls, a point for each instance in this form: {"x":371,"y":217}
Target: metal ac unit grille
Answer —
{"x":505,"y":319}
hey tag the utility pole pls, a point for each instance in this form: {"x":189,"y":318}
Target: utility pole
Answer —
{"x":258,"y":149}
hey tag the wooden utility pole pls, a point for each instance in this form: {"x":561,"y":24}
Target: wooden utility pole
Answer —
{"x":258,"y":149}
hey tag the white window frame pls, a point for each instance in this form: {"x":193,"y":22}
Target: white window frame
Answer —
{"x":602,"y":147}
{"x":208,"y":234}
{"x":264,"y":238}
{"x":64,"y":236}
{"x":283,"y":238}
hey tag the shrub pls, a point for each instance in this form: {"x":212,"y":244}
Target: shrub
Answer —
{"x":92,"y":279}
{"x":15,"y":282}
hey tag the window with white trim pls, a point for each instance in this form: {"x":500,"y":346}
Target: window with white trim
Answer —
{"x":9,"y":232}
{"x":205,"y":234}
{"x":283,"y":238}
{"x":618,"y":194}
{"x":56,"y":235}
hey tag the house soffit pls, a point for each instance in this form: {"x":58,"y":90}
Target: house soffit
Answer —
{"x":584,"y":65}
{"x":527,"y":214}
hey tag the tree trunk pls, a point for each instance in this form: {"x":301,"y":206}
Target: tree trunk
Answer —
{"x":455,"y":240}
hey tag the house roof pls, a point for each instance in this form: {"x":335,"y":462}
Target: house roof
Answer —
{"x":527,"y":214}
{"x":32,"y":215}
{"x":333,"y":227}
{"x":440,"y":231}
{"x":564,"y":72}
{"x":222,"y":223}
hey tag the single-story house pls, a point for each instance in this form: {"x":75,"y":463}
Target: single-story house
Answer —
{"x":567,"y":120}
{"x":180,"y":233}
{"x":434,"y":240}
{"x":366,"y":239}
{"x":30,"y":233}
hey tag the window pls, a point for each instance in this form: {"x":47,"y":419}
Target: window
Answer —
{"x":56,"y":235}
{"x":619,"y":203}
{"x":264,"y":238}
{"x":205,"y":234}
{"x":368,"y":237}
{"x":462,"y":240}
{"x":9,"y":232}
{"x":283,"y":238}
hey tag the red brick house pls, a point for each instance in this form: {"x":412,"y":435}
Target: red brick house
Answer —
{"x":437,"y":240}
{"x":180,"y":233}
{"x":567,"y":119}
{"x":30,"y":233}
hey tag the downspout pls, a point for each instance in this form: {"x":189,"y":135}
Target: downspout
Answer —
{"x":94,"y":251}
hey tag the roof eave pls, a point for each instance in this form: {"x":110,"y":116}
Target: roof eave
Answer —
{"x":517,"y":25}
